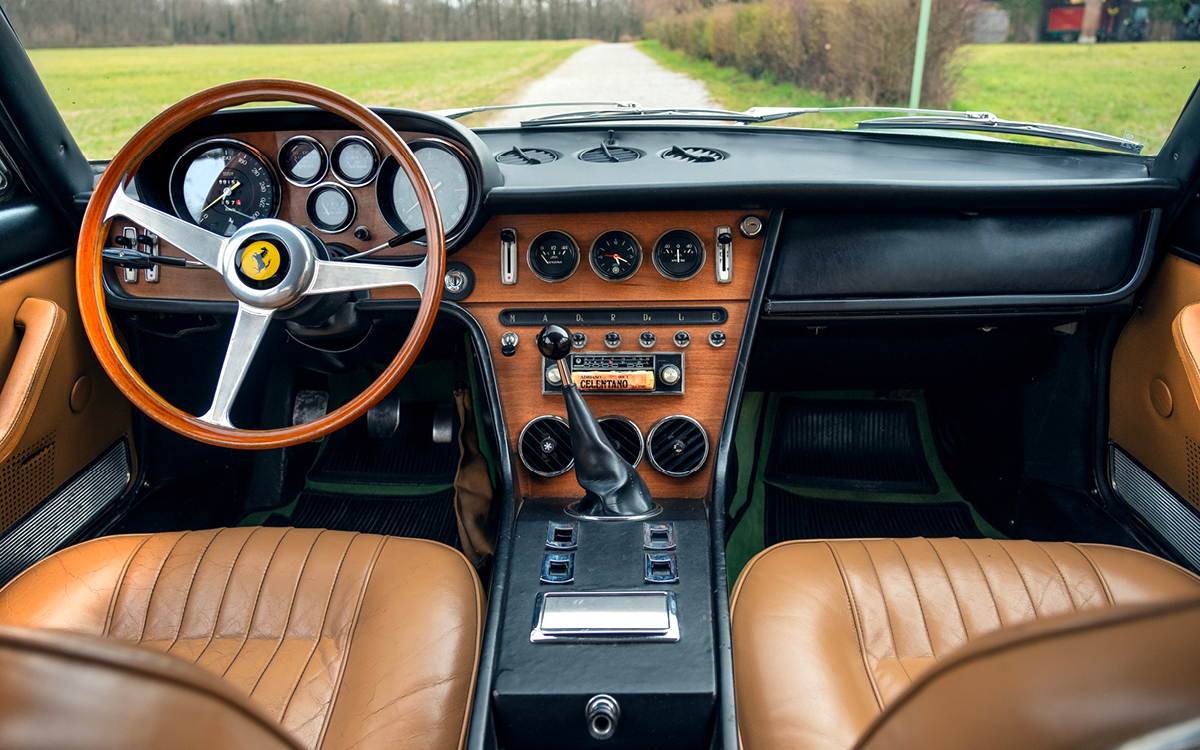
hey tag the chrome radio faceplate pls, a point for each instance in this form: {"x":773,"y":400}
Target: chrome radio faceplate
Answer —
{"x":658,"y":373}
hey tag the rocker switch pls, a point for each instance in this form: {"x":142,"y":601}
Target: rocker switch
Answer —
{"x":661,"y":568}
{"x":658,"y":536}
{"x":508,"y":256}
{"x":724,"y":255}
{"x":562,"y":536}
{"x":558,"y":567}
{"x":130,"y":275}
{"x":151,"y":243}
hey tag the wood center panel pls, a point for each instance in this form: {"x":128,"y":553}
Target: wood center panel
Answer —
{"x":708,"y":369}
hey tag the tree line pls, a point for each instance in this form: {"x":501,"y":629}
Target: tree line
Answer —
{"x":109,"y":23}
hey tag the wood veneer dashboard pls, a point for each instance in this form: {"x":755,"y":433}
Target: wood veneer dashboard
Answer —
{"x":708,"y":369}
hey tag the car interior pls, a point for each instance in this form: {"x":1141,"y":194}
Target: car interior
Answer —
{"x":328,"y":426}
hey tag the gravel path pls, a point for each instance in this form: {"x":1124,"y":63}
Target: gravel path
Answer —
{"x":607,"y":72}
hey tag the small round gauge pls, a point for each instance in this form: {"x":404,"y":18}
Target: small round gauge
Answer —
{"x":303,"y":161}
{"x":330,"y":208}
{"x":616,"y":255}
{"x":553,"y":256}
{"x":221,"y":185}
{"x":355,"y":160}
{"x":679,"y":255}
{"x":449,"y":177}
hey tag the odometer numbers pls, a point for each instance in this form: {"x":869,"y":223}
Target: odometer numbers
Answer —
{"x":679,"y":255}
{"x":616,"y":255}
{"x":553,"y":256}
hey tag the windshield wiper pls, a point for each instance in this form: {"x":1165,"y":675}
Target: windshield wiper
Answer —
{"x":754,"y":115}
{"x":454,"y":114}
{"x":932,"y":119}
{"x":993,"y":124}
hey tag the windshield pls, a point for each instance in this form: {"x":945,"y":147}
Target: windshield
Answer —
{"x":1118,"y":67}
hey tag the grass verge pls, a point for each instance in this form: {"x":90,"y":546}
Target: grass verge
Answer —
{"x":105,"y":95}
{"x":1110,"y":88}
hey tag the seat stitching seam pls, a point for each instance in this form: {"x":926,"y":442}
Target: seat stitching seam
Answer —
{"x":257,"y":601}
{"x":953,"y":593}
{"x":362,"y":594}
{"x":188,"y":596}
{"x":1091,"y":563}
{"x":859,"y":628}
{"x":212,"y":634}
{"x":291,"y":608}
{"x":1024,"y":583}
{"x":986,"y":582}
{"x":920,"y":606}
{"x":887,"y":613}
{"x":154,"y":586}
{"x":1061,"y":577}
{"x":321,"y":630}
{"x":112,"y":601}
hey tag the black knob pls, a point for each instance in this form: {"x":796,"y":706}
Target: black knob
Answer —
{"x":508,"y":350}
{"x":554,"y":342}
{"x":579,"y":339}
{"x":612,"y":339}
{"x":123,"y":241}
{"x":682,"y":339}
{"x":647,"y":339}
{"x":362,"y":234}
{"x":725,"y":238}
{"x":508,"y":235}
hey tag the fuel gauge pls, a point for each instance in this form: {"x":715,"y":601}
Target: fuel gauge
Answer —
{"x":616,"y":255}
{"x":553,"y":256}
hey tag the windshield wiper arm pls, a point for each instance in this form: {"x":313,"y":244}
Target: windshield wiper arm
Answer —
{"x":754,"y":115}
{"x":454,"y":114}
{"x":1009,"y":127}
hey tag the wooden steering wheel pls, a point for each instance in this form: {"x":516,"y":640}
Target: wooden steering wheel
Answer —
{"x":302,"y":273}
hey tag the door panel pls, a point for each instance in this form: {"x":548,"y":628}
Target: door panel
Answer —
{"x":45,"y":439}
{"x":1153,"y":411}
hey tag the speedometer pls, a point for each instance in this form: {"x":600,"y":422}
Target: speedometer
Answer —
{"x":222,"y":185}
{"x":449,"y":176}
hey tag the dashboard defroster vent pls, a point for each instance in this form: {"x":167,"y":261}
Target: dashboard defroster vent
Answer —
{"x":693,"y":154}
{"x":678,"y":446}
{"x":625,"y":437}
{"x":545,"y":446}
{"x":606,"y":154}
{"x":526,"y":156}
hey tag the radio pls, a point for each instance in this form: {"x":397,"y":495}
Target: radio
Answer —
{"x":619,"y":372}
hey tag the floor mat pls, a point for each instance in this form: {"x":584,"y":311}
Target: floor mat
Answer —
{"x":792,"y":516}
{"x":871,"y":445}
{"x":417,"y":516}
{"x":836,"y":465}
{"x":410,"y":457}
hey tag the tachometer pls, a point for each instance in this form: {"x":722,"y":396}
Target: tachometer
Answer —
{"x":222,"y":185}
{"x":448,"y":174}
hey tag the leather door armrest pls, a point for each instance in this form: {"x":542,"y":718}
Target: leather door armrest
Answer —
{"x":43,"y":322}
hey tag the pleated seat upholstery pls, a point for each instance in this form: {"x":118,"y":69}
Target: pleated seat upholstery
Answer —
{"x":828,"y":634}
{"x":344,"y":639}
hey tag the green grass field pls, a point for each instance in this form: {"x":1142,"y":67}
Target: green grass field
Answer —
{"x":105,"y":95}
{"x":1111,"y":88}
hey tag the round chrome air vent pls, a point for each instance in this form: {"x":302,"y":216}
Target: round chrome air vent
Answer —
{"x":625,"y":437}
{"x":605,"y":154}
{"x":677,"y":446}
{"x":693,"y":154}
{"x":545,"y":446}
{"x":526,"y":156}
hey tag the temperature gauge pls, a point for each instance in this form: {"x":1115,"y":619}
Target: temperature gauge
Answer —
{"x":553,"y":256}
{"x":616,"y":256}
{"x":679,"y":255}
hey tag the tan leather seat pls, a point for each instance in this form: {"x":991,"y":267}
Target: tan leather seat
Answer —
{"x":342,"y":639}
{"x":831,"y":638}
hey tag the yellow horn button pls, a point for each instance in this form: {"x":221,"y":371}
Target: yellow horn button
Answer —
{"x":260,"y":260}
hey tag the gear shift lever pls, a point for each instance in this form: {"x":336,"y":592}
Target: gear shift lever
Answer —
{"x":612,"y":488}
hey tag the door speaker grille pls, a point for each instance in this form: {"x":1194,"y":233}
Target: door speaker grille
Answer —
{"x":1161,"y":508}
{"x":545,"y":446}
{"x":678,"y":446}
{"x":26,"y":479}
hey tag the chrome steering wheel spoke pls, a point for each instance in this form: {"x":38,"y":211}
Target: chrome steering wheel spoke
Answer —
{"x":199,"y":243}
{"x":342,"y":276}
{"x":249,"y":327}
